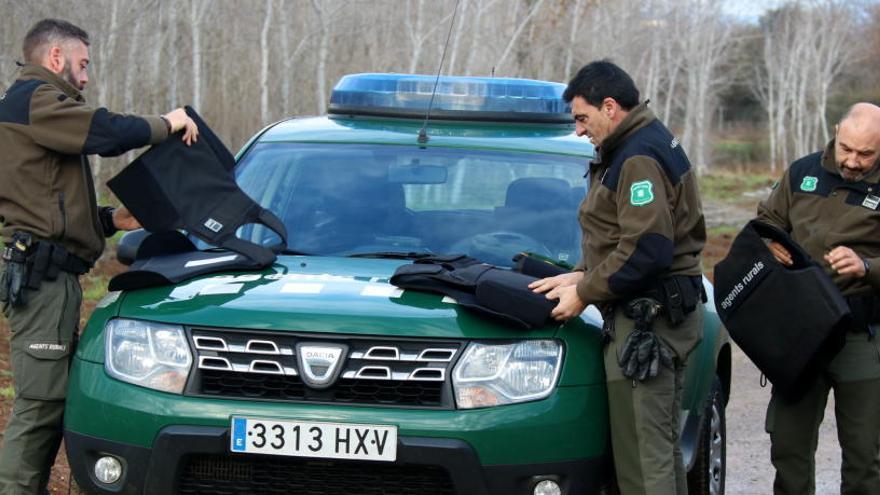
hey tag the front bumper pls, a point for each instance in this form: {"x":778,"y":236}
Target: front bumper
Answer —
{"x":196,"y":460}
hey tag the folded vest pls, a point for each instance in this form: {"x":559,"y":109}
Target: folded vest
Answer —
{"x":495,"y":292}
{"x":174,"y":186}
{"x":790,"y":321}
{"x":165,"y":258}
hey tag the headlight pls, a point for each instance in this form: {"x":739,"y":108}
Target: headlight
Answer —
{"x":490,"y":375}
{"x":152,"y":355}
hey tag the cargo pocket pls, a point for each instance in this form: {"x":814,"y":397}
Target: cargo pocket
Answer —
{"x":41,"y":369}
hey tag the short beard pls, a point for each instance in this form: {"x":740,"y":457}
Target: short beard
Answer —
{"x":67,"y":74}
{"x":857,"y":178}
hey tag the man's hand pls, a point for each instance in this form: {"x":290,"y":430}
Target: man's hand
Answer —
{"x":180,"y":120}
{"x":124,"y":220}
{"x":570,"y":304}
{"x":780,"y":253}
{"x":549,"y":283}
{"x":845,"y":261}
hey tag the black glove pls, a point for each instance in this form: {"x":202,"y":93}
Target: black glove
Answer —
{"x":642,"y":355}
{"x":643,"y":352}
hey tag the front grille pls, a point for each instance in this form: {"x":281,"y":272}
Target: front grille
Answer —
{"x":259,"y":475}
{"x":264,"y":366}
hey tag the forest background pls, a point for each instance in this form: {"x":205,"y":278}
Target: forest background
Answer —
{"x":741,"y":90}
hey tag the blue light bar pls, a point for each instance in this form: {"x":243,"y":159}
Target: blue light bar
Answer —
{"x":457,"y":98}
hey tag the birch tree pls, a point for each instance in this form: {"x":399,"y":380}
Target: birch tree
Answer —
{"x":806,"y":48}
{"x":707,"y":42}
{"x":264,"y":62}
{"x":321,"y":64}
{"x":197,"y":10}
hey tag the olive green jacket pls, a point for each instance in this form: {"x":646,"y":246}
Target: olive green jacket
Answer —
{"x":822,"y":211}
{"x":46,"y":131}
{"x":642,"y":218}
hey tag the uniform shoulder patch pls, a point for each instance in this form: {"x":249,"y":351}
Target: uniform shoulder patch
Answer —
{"x":809,"y":183}
{"x":641,"y":193}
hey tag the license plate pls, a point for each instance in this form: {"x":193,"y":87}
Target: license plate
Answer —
{"x":311,"y":439}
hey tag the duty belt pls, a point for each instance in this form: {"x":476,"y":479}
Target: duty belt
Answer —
{"x":678,"y":296}
{"x":44,"y":259}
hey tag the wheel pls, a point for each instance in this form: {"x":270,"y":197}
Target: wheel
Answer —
{"x":707,"y":475}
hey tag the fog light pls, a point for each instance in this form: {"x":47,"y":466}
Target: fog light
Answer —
{"x":108,"y":470}
{"x":547,"y":487}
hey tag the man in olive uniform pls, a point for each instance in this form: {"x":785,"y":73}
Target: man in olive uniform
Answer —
{"x":828,"y":201}
{"x":53,"y":230}
{"x":643,"y":231}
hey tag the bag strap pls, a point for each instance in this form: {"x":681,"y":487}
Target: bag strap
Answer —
{"x":799,"y":257}
{"x":272,"y":221}
{"x":260,"y":254}
{"x":263,"y":255}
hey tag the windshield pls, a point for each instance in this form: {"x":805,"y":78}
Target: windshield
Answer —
{"x":340,"y":199}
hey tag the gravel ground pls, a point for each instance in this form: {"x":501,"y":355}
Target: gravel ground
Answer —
{"x":749,"y":471}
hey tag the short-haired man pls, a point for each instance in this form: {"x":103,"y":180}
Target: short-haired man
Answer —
{"x":829,"y":202}
{"x":643,"y":231}
{"x":54,"y":230}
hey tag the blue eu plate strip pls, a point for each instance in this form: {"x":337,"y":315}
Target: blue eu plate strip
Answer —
{"x":239,"y":431}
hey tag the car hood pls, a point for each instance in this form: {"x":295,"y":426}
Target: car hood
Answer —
{"x":316,"y":294}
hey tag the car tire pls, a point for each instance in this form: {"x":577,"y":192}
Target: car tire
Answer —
{"x":708,"y":473}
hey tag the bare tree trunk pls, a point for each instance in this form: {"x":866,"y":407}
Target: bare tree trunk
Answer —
{"x":572,"y":36}
{"x":469,"y":66}
{"x":156,"y":72}
{"x":264,"y":63}
{"x":706,"y":40}
{"x":323,"y":47}
{"x":461,"y":18}
{"x":196,"y":14}
{"x":172,"y":53}
{"x":415,"y":35}
{"x":519,"y":29}
{"x":106,"y":53}
{"x":129,"y":87}
{"x":286,"y":63}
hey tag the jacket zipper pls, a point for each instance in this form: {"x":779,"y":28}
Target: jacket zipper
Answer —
{"x":63,"y":214}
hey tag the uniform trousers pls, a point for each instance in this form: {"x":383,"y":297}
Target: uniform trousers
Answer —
{"x":644,"y":416}
{"x":854,"y":375}
{"x":43,"y":339}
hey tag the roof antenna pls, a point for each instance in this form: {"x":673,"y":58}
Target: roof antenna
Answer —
{"x":423,"y":132}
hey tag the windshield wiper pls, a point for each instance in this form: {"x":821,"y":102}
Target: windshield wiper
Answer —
{"x":294,"y":252}
{"x":394,"y":255}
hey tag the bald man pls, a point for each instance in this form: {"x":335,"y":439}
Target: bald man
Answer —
{"x":830,"y":204}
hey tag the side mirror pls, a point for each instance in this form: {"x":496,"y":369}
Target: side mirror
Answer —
{"x":126,"y":251}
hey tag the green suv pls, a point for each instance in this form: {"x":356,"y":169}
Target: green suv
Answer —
{"x":317,"y":376}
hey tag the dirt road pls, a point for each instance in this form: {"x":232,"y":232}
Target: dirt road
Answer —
{"x":749,"y":471}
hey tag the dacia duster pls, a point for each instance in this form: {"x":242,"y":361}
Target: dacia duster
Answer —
{"x":317,"y":376}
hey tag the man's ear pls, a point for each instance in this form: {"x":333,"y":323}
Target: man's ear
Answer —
{"x":610,"y":107}
{"x":55,"y":59}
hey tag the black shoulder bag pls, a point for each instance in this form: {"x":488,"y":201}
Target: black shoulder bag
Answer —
{"x":789,"y":320}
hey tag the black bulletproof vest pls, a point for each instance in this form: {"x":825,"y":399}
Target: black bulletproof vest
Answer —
{"x":790,"y":321}
{"x":496,"y":292}
{"x":174,"y":186}
{"x":165,"y":258}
